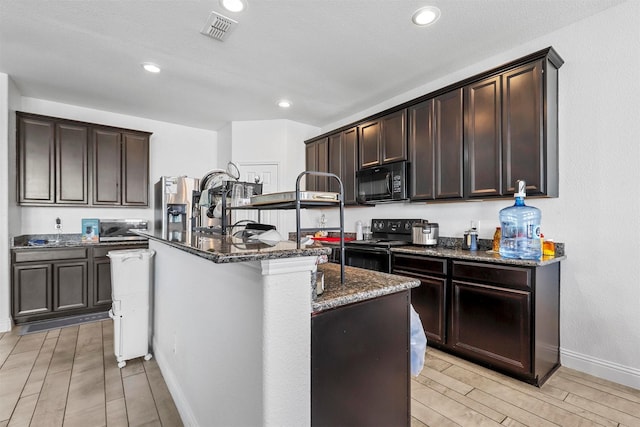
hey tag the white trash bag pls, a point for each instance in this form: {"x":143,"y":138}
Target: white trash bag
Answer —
{"x":418,"y":343}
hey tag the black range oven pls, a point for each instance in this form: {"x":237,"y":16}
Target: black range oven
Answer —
{"x":375,"y":253}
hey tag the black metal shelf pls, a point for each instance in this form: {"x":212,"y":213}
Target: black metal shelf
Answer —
{"x":299,"y":205}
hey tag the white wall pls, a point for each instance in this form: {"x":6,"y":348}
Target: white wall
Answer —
{"x":597,"y":213}
{"x":274,"y":141}
{"x":9,"y":212}
{"x":173,"y":150}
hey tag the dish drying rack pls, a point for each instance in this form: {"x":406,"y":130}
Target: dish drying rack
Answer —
{"x":298,"y":205}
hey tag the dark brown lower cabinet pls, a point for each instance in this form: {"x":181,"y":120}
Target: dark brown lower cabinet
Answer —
{"x":360,"y":364}
{"x":56,"y":282}
{"x":502,"y":316}
{"x":31,"y":289}
{"x":70,"y":285}
{"x":428,"y":299}
{"x":492,"y":324}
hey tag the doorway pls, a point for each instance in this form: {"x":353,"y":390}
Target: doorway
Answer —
{"x":267,"y":174}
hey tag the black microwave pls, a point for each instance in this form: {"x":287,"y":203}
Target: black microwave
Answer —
{"x":386,"y":183}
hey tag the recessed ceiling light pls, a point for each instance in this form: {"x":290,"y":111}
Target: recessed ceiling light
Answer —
{"x":426,"y":16}
{"x":152,"y":68}
{"x":233,"y":5}
{"x":284,"y":103}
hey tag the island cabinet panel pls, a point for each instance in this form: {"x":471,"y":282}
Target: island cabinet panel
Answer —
{"x":343,"y":162}
{"x":317,"y":159}
{"x":483,"y":138}
{"x":383,"y":140}
{"x":360,"y":364}
{"x":36,"y":155}
{"x":523,"y":121}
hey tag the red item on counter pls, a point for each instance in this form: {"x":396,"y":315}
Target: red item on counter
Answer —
{"x":332,"y":239}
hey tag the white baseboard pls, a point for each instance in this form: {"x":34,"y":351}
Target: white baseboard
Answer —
{"x":601,"y":368}
{"x":6,"y":324}
{"x":188,"y":418}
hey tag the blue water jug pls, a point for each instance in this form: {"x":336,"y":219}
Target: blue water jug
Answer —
{"x":520,"y":228}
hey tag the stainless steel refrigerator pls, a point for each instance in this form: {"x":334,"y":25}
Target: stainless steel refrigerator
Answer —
{"x":174,"y":211}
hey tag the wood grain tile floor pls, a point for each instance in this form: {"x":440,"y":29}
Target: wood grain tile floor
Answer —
{"x":69,"y":377}
{"x":453,"y":392}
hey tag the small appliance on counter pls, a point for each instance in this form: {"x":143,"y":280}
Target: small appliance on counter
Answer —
{"x":470,"y":240}
{"x":425,"y":233}
{"x":120,"y":230}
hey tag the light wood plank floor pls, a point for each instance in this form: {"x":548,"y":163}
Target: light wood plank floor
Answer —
{"x":70,"y":377}
{"x":453,"y":392}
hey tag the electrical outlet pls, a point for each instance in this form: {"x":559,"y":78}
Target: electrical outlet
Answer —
{"x":58,"y":224}
{"x":475,"y":223}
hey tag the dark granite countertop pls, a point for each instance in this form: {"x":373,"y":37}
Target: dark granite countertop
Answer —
{"x":225,"y":249}
{"x":66,"y":240}
{"x":359,"y":285}
{"x":479,"y":255}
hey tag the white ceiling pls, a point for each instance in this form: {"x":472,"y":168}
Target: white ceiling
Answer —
{"x":330,"y":58}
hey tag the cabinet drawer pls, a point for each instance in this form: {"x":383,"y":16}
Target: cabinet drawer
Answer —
{"x":493,"y":274}
{"x":103,"y":251}
{"x":420,"y":264}
{"x":49,"y":254}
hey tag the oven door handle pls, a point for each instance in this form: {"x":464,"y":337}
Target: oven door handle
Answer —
{"x":366,"y":249}
{"x":389,"y":178}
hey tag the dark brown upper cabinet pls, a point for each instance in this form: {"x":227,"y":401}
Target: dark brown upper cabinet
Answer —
{"x":52,"y":160}
{"x":121,"y":168}
{"x":383,"y":140}
{"x":421,"y":151}
{"x":343,"y":162}
{"x":483,"y":138}
{"x":69,"y":163}
{"x":317,"y":159}
{"x":448,"y":140}
{"x":530,"y":128}
{"x":107,"y":170}
{"x":435,"y":147}
{"x":475,"y":138}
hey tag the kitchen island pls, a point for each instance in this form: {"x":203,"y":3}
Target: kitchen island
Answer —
{"x":232,"y":331}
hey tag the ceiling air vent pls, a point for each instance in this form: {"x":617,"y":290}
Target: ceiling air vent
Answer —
{"x":218,"y":26}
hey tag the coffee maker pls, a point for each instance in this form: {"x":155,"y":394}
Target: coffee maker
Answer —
{"x":174,"y":209}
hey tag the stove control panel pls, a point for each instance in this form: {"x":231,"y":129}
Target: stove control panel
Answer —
{"x":395,"y":226}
